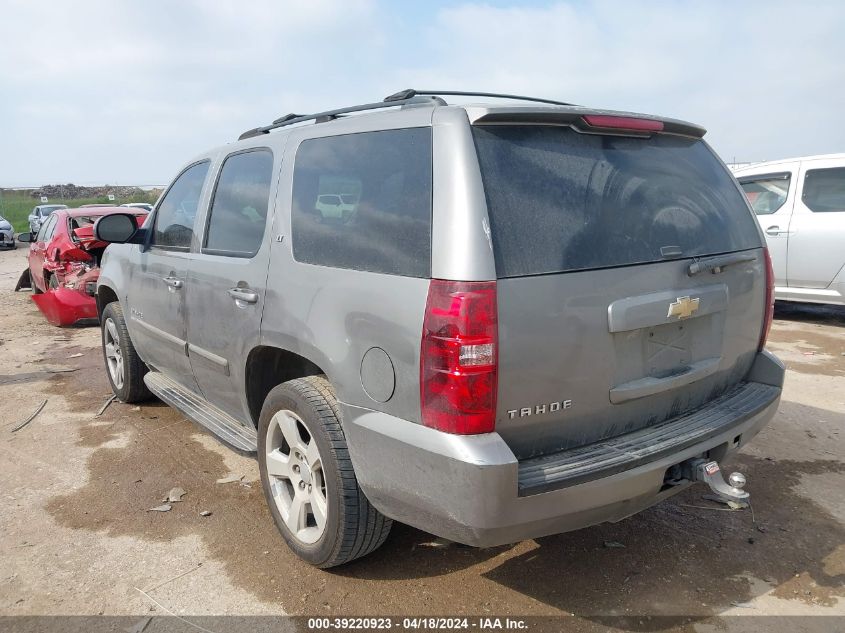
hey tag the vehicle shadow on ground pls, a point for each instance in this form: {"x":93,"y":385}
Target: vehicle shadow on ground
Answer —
{"x":810,"y":313}
{"x":684,"y":560}
{"x":675,"y":559}
{"x":691,"y":563}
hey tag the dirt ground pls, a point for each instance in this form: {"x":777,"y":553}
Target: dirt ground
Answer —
{"x":76,"y":536}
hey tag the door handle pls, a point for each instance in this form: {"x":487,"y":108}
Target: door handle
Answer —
{"x":243,"y":294}
{"x":774,"y":230}
{"x":173,"y":282}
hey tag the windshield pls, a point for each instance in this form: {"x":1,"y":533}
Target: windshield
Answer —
{"x":561,"y":201}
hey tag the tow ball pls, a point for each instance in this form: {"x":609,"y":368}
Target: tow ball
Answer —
{"x":710,"y":473}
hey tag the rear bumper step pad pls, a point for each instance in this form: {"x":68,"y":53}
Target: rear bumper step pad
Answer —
{"x":618,"y":454}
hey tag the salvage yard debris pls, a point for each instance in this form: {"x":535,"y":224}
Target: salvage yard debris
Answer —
{"x":437,"y":543}
{"x":176,"y":495}
{"x":231,"y":479}
{"x":105,"y":406}
{"x":30,"y":418}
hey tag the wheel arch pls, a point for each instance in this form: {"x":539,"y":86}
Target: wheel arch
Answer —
{"x":105,"y":296}
{"x":268,"y":366}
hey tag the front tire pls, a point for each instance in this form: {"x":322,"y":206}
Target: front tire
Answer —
{"x":124,"y":367}
{"x":308,"y":479}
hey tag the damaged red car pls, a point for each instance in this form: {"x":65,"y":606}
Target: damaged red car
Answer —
{"x":64,"y":261}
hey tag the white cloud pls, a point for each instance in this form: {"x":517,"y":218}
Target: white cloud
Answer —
{"x":748,"y":71}
{"x":97,"y":90}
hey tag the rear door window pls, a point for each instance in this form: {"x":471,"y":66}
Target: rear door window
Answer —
{"x":47,"y":228}
{"x":824,"y":190}
{"x":363,"y":201}
{"x":174,"y":218}
{"x":766,"y":192}
{"x":562,"y":201}
{"x":239,"y":209}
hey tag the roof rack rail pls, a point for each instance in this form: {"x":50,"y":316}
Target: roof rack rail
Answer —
{"x":328,"y":115}
{"x":411,"y":92}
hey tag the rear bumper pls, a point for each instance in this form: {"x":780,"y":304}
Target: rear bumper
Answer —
{"x":468,"y":488}
{"x":65,"y":307}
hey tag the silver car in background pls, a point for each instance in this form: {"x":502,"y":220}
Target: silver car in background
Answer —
{"x":40,"y":213}
{"x":800,"y":205}
{"x":139,"y":205}
{"x":7,"y":233}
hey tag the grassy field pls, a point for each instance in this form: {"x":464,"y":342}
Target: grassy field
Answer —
{"x":16,"y":205}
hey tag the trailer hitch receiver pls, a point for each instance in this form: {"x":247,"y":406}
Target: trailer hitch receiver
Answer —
{"x":709,"y":472}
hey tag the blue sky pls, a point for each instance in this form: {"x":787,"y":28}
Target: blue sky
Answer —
{"x":99,"y":91}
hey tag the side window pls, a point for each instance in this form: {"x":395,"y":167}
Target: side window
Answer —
{"x":363,"y":201}
{"x":766,"y":193}
{"x":42,"y":230}
{"x":51,"y":230}
{"x":46,"y":231}
{"x":174,"y":219}
{"x":239,"y":210}
{"x":824,"y":190}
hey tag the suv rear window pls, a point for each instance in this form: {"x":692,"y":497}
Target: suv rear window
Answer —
{"x":363,"y":201}
{"x":563,"y":201}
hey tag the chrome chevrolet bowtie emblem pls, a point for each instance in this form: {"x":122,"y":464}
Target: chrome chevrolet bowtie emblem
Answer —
{"x":683,"y":307}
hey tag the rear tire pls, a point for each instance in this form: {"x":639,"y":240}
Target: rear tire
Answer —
{"x":308,"y":479}
{"x":124,"y":367}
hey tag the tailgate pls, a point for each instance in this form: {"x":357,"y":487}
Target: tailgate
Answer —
{"x":590,"y":355}
{"x":603,"y":326}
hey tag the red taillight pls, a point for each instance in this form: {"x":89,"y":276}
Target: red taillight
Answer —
{"x":459,"y":356}
{"x":623,"y":123}
{"x":769,"y":312}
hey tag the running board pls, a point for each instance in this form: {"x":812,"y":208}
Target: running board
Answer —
{"x":199,"y":410}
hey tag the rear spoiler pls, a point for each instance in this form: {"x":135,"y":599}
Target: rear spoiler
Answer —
{"x":587,"y":121}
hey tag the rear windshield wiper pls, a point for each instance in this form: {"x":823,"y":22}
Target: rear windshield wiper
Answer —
{"x":714,"y":265}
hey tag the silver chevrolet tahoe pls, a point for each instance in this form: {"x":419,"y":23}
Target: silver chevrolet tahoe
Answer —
{"x":530,"y":318}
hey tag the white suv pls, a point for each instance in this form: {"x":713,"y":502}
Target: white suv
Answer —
{"x":800,"y":204}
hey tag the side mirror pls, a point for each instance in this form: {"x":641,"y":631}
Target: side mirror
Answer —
{"x":26,"y":237}
{"x":116,"y":228}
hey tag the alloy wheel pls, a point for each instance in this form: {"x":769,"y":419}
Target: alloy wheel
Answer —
{"x":114,"y":356}
{"x":297,"y":481}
